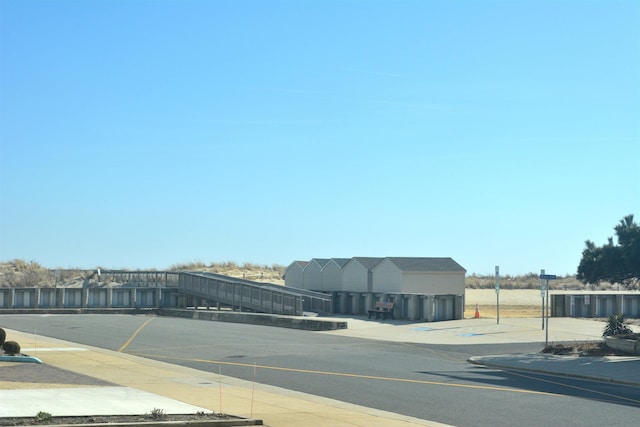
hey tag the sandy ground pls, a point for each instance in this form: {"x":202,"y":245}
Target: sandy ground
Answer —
{"x":513,"y":302}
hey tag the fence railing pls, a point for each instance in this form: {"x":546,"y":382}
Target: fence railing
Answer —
{"x":66,"y":298}
{"x":154,"y":289}
{"x":136,"y":279}
{"x":253,"y":296}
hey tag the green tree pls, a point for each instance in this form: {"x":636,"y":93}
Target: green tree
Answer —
{"x":613,"y":263}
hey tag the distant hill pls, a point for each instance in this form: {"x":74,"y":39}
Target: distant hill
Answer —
{"x":22,"y":274}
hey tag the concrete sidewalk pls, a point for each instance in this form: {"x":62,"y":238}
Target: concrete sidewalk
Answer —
{"x":119,"y":382}
{"x":474,"y":331}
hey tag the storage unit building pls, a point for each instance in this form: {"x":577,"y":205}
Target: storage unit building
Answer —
{"x":357,"y":274}
{"x":312,"y":274}
{"x":293,"y":274}
{"x":332,"y":274}
{"x":437,"y":276}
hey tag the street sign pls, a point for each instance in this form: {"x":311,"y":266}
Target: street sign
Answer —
{"x":544,"y":290}
{"x":497,"y":294}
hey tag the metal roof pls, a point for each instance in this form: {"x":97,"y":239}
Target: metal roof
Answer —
{"x":403,"y":263}
{"x":321,"y":261}
{"x":426,"y":264}
{"x":368,"y":262}
{"x":341,"y":261}
{"x":301,"y":264}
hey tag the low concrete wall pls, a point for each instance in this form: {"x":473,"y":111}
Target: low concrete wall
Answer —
{"x":305,"y":323}
{"x":623,"y":345}
{"x":77,"y":311}
{"x":308,"y":324}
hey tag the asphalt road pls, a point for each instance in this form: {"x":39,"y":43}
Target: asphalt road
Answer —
{"x":432,"y":382}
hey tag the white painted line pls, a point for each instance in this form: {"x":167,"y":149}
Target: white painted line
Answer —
{"x":43,"y":349}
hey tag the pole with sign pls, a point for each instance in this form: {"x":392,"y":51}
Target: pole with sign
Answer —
{"x":542,"y":295}
{"x":546,"y":278}
{"x":498,"y":294}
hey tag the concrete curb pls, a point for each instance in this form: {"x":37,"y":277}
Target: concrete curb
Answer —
{"x":19,"y":358}
{"x":623,"y":345}
{"x":307,"y":324}
{"x":84,"y":310}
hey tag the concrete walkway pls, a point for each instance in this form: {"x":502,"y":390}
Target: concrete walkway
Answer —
{"x":82,"y":380}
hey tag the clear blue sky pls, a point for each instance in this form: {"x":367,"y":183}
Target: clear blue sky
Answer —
{"x":141,"y":134}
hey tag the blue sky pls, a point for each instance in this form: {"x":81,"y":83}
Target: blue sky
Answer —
{"x":142,"y":134}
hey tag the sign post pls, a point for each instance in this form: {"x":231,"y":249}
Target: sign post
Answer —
{"x":546,"y":278}
{"x":498,"y":294}
{"x":542,"y":295}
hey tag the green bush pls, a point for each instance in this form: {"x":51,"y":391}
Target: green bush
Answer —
{"x":43,"y":417}
{"x":3,"y":336}
{"x":616,"y":326}
{"x":11,"y":347}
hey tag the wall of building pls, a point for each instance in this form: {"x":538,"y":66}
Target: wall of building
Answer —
{"x":354,"y":277}
{"x":16,"y":298}
{"x":422,"y":308}
{"x":332,"y":277}
{"x":312,"y":276}
{"x":293,"y":276}
{"x":595,"y":305}
{"x":386,"y":277}
{"x":433,"y":283}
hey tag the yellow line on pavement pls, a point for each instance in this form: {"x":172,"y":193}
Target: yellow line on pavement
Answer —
{"x":125,"y":345}
{"x":341,"y":374}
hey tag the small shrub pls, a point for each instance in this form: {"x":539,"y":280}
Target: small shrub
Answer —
{"x":43,"y":417}
{"x":11,"y":347}
{"x":616,"y":326}
{"x":157,"y":413}
{"x":3,"y":336}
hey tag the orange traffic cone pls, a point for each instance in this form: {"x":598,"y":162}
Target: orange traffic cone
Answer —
{"x":477,"y":316}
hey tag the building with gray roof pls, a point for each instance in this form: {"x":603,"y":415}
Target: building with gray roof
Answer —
{"x":293,"y":274}
{"x":427,"y":288}
{"x":419,"y":276}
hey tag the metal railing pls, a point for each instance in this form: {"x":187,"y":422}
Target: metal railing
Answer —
{"x":136,"y":279}
{"x":254,"y":296}
{"x":151,"y":288}
{"x":316,"y":302}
